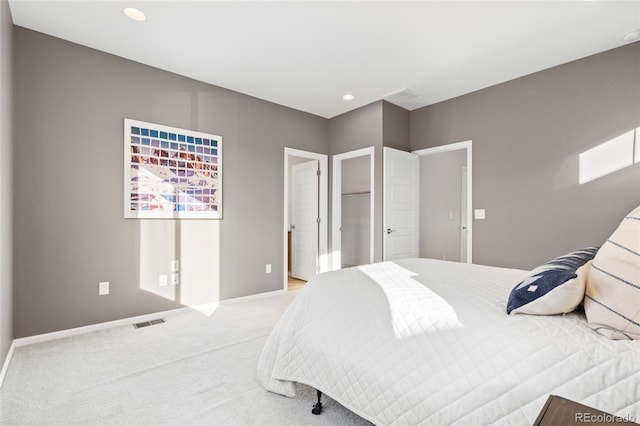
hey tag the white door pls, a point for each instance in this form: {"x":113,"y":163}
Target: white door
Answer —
{"x":401,"y":175}
{"x":304,"y":220}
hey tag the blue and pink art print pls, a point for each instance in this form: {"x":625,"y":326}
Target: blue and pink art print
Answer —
{"x":171,"y":173}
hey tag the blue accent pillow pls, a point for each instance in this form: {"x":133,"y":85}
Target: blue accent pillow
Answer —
{"x":556,"y":287}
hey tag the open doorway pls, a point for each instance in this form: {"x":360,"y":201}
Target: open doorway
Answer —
{"x":305,"y":216}
{"x":353,"y":200}
{"x":445,"y":202}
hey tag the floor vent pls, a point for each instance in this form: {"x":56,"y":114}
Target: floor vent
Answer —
{"x":148,"y":323}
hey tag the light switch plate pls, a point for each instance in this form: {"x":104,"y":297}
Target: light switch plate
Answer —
{"x":479,"y":214}
{"x":103,"y":288}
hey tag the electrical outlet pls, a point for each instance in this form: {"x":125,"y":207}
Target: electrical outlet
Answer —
{"x":164,"y":280}
{"x":175,"y":279}
{"x":103,"y":288}
{"x":267,"y":268}
{"x":175,"y":265}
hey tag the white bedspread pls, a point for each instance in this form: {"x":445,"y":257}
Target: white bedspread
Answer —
{"x":422,"y":341}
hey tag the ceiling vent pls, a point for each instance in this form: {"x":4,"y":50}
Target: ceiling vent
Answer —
{"x":407,"y":99}
{"x":404,"y":95}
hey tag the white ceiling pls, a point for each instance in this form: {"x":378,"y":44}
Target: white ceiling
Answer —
{"x":306,"y":55}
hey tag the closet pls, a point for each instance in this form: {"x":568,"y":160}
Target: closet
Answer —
{"x":356,"y":211}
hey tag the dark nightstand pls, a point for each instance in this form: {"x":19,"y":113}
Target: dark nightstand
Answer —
{"x":561,"y":411}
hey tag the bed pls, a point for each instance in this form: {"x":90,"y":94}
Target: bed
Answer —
{"x":422,"y":341}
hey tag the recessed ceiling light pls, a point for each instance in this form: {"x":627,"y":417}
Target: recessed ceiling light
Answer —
{"x":632,"y":36}
{"x":348,"y":97}
{"x":135,"y":14}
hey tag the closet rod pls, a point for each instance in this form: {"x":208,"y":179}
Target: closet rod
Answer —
{"x":358,"y":193}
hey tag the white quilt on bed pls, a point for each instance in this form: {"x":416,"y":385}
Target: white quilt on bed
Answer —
{"x":422,"y":341}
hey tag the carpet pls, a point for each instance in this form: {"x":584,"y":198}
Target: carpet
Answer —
{"x":191,"y":370}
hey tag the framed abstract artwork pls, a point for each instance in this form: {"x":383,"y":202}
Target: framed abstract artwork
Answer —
{"x":171,"y":173}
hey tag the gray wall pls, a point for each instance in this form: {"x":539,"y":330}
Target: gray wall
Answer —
{"x":356,"y":175}
{"x":362,"y":128}
{"x":440,"y":197}
{"x":69,"y":233}
{"x":527,"y":134}
{"x":6,"y":188}
{"x":70,"y":102}
{"x":395,"y":126}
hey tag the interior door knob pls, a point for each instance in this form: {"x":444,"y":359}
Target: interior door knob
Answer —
{"x":390,"y":230}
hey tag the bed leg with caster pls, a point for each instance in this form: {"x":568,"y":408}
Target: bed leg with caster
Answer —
{"x":317,"y":408}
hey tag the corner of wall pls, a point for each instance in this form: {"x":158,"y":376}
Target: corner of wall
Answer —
{"x":395,"y":126}
{"x":6,"y":185}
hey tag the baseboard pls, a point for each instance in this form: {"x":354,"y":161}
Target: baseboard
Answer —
{"x":209,"y":308}
{"x":5,"y":365}
{"x":252,"y":297}
{"x":206,"y":309}
{"x":39,"y":338}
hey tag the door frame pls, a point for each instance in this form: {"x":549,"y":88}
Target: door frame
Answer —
{"x":323,"y":195}
{"x":464,"y":173}
{"x":336,"y":210}
{"x":468,"y":146}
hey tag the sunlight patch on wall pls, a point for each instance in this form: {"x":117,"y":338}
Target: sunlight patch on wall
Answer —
{"x":610,"y":156}
{"x":195,"y":244}
{"x":335,"y":260}
{"x":199,"y":264}
{"x":157,"y":249}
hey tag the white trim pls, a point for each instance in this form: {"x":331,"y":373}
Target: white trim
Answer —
{"x":7,"y":361}
{"x":443,"y":148}
{"x":251,"y":297}
{"x":464,"y":172}
{"x":468,"y":145}
{"x":336,"y":214}
{"x":323,"y":250}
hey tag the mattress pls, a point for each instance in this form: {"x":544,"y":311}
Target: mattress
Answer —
{"x":421,"y":341}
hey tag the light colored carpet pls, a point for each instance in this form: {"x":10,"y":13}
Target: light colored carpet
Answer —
{"x":192,"y":370}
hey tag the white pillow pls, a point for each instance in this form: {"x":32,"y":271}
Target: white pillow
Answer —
{"x":612,"y":300}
